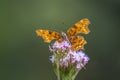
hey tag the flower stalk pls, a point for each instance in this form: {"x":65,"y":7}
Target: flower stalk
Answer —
{"x":58,"y":71}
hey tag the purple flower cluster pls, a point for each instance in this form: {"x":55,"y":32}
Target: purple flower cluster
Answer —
{"x":57,"y":46}
{"x":77,"y":59}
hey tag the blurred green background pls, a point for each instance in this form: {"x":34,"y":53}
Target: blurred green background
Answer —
{"x":24,"y":56}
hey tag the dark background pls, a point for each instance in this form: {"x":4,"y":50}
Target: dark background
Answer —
{"x":24,"y":56}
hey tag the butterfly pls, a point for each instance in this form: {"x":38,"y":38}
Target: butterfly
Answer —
{"x":77,"y":42}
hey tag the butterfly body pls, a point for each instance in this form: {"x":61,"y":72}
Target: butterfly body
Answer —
{"x":77,"y":42}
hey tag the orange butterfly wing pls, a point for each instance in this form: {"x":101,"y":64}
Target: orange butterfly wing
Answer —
{"x":79,"y":27}
{"x":48,"y":35}
{"x":78,"y":42}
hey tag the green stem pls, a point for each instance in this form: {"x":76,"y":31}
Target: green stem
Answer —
{"x":71,"y":78}
{"x":58,"y":71}
{"x":68,"y":79}
{"x":76,"y":74}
